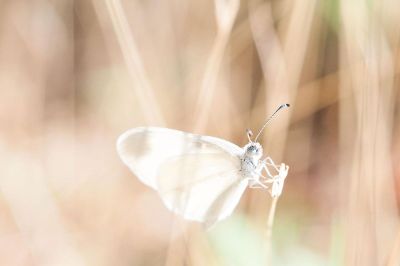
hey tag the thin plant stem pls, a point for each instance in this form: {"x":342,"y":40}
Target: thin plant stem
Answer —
{"x":394,"y":256}
{"x":270,"y":223}
{"x":226,"y":12}
{"x":144,"y":91}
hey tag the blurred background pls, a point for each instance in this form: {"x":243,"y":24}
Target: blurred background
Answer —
{"x":74,"y":75}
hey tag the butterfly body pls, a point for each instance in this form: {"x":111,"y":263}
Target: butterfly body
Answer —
{"x":251,"y":165}
{"x":199,"y":177}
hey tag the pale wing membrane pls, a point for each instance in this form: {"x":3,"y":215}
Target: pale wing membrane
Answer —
{"x":196,"y":176}
{"x":144,"y":149}
{"x":226,"y":202}
{"x":201,"y":187}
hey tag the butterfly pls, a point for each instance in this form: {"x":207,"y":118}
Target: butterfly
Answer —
{"x":199,"y":177}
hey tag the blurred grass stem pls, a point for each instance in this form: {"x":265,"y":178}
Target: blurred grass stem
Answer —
{"x":394,"y":256}
{"x":143,"y":90}
{"x":270,"y":224}
{"x":225,"y":12}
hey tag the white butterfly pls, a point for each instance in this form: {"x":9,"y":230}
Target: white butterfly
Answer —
{"x":199,"y":177}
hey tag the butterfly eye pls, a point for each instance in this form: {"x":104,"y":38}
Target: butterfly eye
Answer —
{"x":254,"y":150}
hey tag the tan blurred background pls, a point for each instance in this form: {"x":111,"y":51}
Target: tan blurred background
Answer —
{"x":75,"y":74}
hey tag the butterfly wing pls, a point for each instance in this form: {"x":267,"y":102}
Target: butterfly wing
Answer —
{"x":196,"y":176}
{"x":226,"y":202}
{"x":201,"y":187}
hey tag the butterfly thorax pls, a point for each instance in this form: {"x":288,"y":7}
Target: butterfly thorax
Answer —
{"x":250,"y":161}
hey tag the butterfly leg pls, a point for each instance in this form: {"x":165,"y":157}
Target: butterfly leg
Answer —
{"x":264,"y":166}
{"x":261,"y":181}
{"x":270,"y":162}
{"x":256,"y":183}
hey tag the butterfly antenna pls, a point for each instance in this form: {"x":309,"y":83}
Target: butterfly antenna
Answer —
{"x":249,"y":134}
{"x":286,"y":105}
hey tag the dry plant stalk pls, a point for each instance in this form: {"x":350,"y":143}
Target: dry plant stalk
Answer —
{"x":275,"y":191}
{"x":143,"y":90}
{"x":394,"y":256}
{"x":370,"y":204}
{"x":269,"y":226}
{"x":225,"y":12}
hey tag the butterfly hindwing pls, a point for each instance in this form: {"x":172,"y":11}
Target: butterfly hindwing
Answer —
{"x":195,"y":185}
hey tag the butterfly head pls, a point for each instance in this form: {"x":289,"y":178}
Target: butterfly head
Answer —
{"x":254,"y":150}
